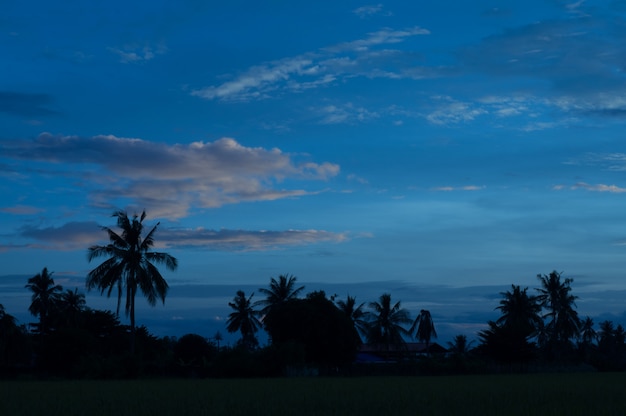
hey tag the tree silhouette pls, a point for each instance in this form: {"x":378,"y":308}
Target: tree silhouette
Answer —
{"x":520,"y":311}
{"x":355,"y":314}
{"x":279,"y":292}
{"x":508,"y":338}
{"x":564,"y":324}
{"x":70,"y":305}
{"x":130,"y":266}
{"x":44,"y":298}
{"x":385,"y":324}
{"x":244,"y":319}
{"x":425,"y":328}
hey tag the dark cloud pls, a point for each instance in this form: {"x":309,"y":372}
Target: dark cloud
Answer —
{"x":26,"y":105}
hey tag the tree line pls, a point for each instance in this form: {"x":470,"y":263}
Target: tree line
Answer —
{"x":307,"y":332}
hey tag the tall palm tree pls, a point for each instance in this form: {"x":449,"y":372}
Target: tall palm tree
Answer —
{"x":385,"y":324}
{"x":279,"y":292}
{"x":44,"y":298}
{"x":425,"y":328}
{"x":554,"y":296}
{"x":355,"y":314}
{"x":130,"y":265}
{"x":244,"y":319}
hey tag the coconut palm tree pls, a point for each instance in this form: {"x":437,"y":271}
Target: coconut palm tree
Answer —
{"x":520,"y":312}
{"x":425,"y":328}
{"x":279,"y":292}
{"x":131,"y":265}
{"x":71,"y":304}
{"x":554,"y":296}
{"x":587,"y":334}
{"x":44,"y":298}
{"x":355,"y":314}
{"x":244,"y":319}
{"x":385,"y":323}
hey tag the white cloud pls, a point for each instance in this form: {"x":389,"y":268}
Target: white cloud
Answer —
{"x":168,"y":180}
{"x":459,"y":188}
{"x":598,"y":188}
{"x":347,"y":113}
{"x":370,"y":10}
{"x":317,"y":69}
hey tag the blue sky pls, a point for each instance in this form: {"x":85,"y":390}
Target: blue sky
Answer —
{"x":438,"y":152}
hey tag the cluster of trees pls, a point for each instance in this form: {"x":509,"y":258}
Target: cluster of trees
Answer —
{"x":313,"y":331}
{"x":545,"y":328}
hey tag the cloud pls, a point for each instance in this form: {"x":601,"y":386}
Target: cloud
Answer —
{"x":21,"y":210}
{"x":459,"y":188}
{"x":136,"y":54}
{"x":346,"y":113}
{"x":80,"y":235}
{"x":454,"y":112}
{"x":598,"y":188}
{"x":317,"y":69}
{"x":238,"y":240}
{"x":69,"y":236}
{"x":370,"y":10}
{"x":166,"y":179}
{"x":25,"y":104}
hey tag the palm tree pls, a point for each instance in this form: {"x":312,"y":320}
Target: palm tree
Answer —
{"x":425,"y":328}
{"x":520,"y":312}
{"x":280,"y":291}
{"x":244,"y":319}
{"x":355,"y":314}
{"x":44,"y":298}
{"x":554,"y":296}
{"x":459,"y":346}
{"x":71,"y":304}
{"x":131,"y":265}
{"x":587,"y":334}
{"x":385,"y":323}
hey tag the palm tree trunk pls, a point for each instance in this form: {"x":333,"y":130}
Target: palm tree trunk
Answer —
{"x":132,"y":322}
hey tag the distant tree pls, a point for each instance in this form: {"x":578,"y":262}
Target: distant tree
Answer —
{"x":130,"y":265}
{"x":355,"y":314}
{"x":70,"y":306}
{"x":588,"y":335}
{"x":244,"y":319}
{"x":386,"y":323}
{"x":459,"y":346}
{"x":44,"y":298}
{"x":424,"y":328}
{"x":218,"y":338}
{"x":564,"y":324}
{"x":279,"y":292}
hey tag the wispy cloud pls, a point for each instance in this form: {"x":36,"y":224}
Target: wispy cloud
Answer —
{"x":370,"y":10}
{"x":136,"y":54}
{"x":347,"y":113}
{"x":79,"y":235}
{"x":459,"y":188}
{"x":594,"y":188}
{"x":169,"y":179}
{"x":315,"y":69}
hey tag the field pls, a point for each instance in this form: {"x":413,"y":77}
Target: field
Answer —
{"x":532,"y":394}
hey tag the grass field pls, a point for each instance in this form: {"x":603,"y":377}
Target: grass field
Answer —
{"x":531,"y":394}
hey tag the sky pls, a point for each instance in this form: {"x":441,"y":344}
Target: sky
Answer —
{"x":437,"y":151}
